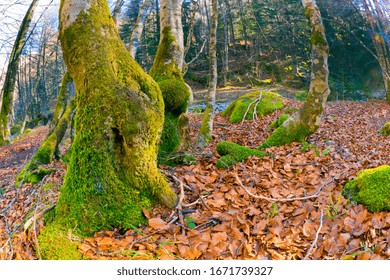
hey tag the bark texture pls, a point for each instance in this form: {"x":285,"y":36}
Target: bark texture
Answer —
{"x":112,"y":171}
{"x":206,"y":130}
{"x":307,"y":120}
{"x":12,"y":70}
{"x":139,"y":27}
{"x":167,"y":72}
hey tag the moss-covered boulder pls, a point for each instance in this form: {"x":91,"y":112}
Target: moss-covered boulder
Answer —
{"x":385,"y":131}
{"x":270,"y":101}
{"x":231,"y":153}
{"x":372,"y":188}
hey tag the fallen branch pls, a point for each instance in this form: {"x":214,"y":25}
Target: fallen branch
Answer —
{"x":280,"y":199}
{"x":37,"y":216}
{"x":316,"y":238}
{"x":254,"y":115}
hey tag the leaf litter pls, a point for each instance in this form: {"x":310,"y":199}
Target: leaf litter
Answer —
{"x":223,"y":214}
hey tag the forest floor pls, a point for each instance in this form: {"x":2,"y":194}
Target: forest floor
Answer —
{"x":222,"y":216}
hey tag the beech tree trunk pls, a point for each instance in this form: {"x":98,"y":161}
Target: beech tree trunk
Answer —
{"x":12,"y":71}
{"x":117,"y":10}
{"x":206,"y":130}
{"x":307,"y":120}
{"x":112,"y":171}
{"x":167,"y":72}
{"x":139,"y":27}
{"x":379,"y":25}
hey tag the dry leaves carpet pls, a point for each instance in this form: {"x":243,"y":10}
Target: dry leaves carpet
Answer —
{"x":253,"y":210}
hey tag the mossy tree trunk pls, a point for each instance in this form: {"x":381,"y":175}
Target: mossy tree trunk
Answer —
{"x":49,"y":148}
{"x":167,"y":72}
{"x":206,"y":130}
{"x":112,"y":171}
{"x":307,"y":120}
{"x":139,"y":27}
{"x":11,"y":74}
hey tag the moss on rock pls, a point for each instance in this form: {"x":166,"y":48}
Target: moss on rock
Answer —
{"x":231,"y":153}
{"x":55,"y":244}
{"x":385,"y":131}
{"x":270,"y":101}
{"x":372,"y":188}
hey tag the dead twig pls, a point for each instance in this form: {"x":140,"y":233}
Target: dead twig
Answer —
{"x":37,"y":216}
{"x":316,"y":238}
{"x":270,"y":199}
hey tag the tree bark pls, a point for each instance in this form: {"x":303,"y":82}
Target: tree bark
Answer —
{"x":117,"y":10}
{"x":10,"y":78}
{"x":307,"y":120}
{"x":139,"y":27}
{"x":206,"y":130}
{"x":378,"y":29}
{"x":112,"y":171}
{"x":167,"y":72}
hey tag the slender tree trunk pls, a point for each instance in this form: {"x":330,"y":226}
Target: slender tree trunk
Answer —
{"x":112,"y":172}
{"x":117,"y":10}
{"x":381,"y":43}
{"x":139,"y":27}
{"x":231,"y":23}
{"x":10,"y":78}
{"x":167,"y":72}
{"x":225,"y":59}
{"x":206,"y":130}
{"x":307,"y":120}
{"x":194,"y":6}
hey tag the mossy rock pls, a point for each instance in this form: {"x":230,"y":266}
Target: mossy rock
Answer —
{"x":55,"y":244}
{"x":371,"y":187}
{"x":385,"y":131}
{"x":278,"y":122}
{"x":231,"y":153}
{"x":270,"y":101}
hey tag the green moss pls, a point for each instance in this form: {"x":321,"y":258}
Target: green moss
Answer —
{"x":270,"y":102}
{"x":55,"y":243}
{"x":231,"y":153}
{"x":282,"y":118}
{"x":282,"y":135}
{"x":372,"y":188}
{"x":170,"y":138}
{"x":205,"y":133}
{"x":37,"y":175}
{"x":176,"y":95}
{"x":291,"y":110}
{"x":15,"y":129}
{"x":385,"y":131}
